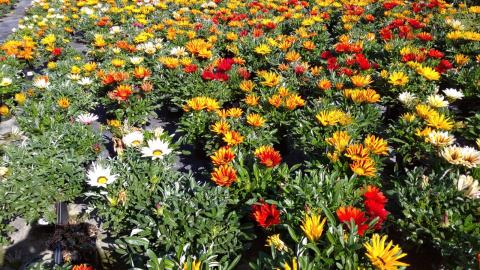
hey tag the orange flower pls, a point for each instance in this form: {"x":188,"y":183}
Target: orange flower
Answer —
{"x":120,"y":76}
{"x":224,"y":175}
{"x":268,"y":156}
{"x":223,"y":156}
{"x":271,"y":79}
{"x":141,"y":72}
{"x":220,"y":127}
{"x":364,"y":167}
{"x":252,"y":100}
{"x":275,"y":100}
{"x":292,"y":56}
{"x":283,"y":91}
{"x":233,"y":137}
{"x":234,"y":112}
{"x":147,"y":86}
{"x":345,"y":215}
{"x":339,"y":140}
{"x":316,"y":70}
{"x":356,"y":152}
{"x":360,"y":81}
{"x":123,"y":91}
{"x":309,"y":45}
{"x":376,"y":145}
{"x":293,"y":101}
{"x":255,"y":120}
{"x":324,"y":84}
{"x":246,"y":86}
{"x":89,"y":67}
{"x":222,"y":113}
{"x":82,"y":267}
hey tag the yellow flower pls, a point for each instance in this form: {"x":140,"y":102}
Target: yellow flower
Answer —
{"x":360,"y":81}
{"x":429,"y":73}
{"x":271,"y":79}
{"x":275,"y":240}
{"x":409,"y":117}
{"x":438,"y":121}
{"x":49,"y":40}
{"x":20,"y":97}
{"x":384,"y":74}
{"x":398,"y":78}
{"x":461,"y":59}
{"x":4,"y":110}
{"x":247,"y":86}
{"x":89,"y":67}
{"x":195,"y":265}
{"x":75,"y":70}
{"x":339,"y":140}
{"x":263,"y":49}
{"x":312,"y":227}
{"x":255,"y":120}
{"x":51,"y":65}
{"x":382,"y":256}
{"x":63,"y":103}
{"x":294,"y":265}
{"x":118,"y":62}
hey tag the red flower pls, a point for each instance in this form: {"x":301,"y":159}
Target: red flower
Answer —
{"x":266,"y":215}
{"x":208,"y":75}
{"x":268,"y":156}
{"x":191,"y":68}
{"x":374,"y":193}
{"x":326,"y":55}
{"x":345,"y":215}
{"x":224,"y":65}
{"x":220,"y":76}
{"x":375,"y":209}
{"x":57,"y":51}
{"x":435,"y":54}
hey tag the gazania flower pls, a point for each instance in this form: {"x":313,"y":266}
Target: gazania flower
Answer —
{"x":133,"y":139}
{"x":87,"y":118}
{"x":406,"y":98}
{"x":123,"y":91}
{"x":233,"y":137}
{"x":453,"y":154}
{"x":357,"y":152}
{"x":234,"y":112}
{"x":221,"y":127}
{"x":118,"y":62}
{"x":246,"y":86}
{"x":262,"y":49}
{"x":89,"y":67}
{"x":364,"y":167}
{"x":424,"y":36}
{"x":373,"y":193}
{"x":268,"y":156}
{"x":424,"y":111}
{"x":195,"y":265}
{"x":294,"y":265}
{"x":376,"y":145}
{"x":156,"y":149}
{"x":141,"y":72}
{"x":292,"y":56}
{"x":374,"y":210}
{"x":440,"y":139}
{"x":384,"y":257}
{"x":255,"y":120}
{"x":324,"y":84}
{"x":312,"y":227}
{"x":437,"y":101}
{"x":438,"y":121}
{"x":82,"y":267}
{"x":345,"y":215}
{"x":4,"y":110}
{"x":271,"y":79}
{"x":252,"y":100}
{"x":470,"y":157}
{"x":63,"y":103}
{"x":277,"y":242}
{"x":429,"y":73}
{"x":275,"y":100}
{"x":452,"y":94}
{"x":20,"y":97}
{"x":463,"y":182}
{"x":293,"y":101}
{"x":41,"y":82}
{"x":398,"y":78}
{"x":223,"y":156}
{"x":100,"y":177}
{"x":85,"y":81}
{"x":266,"y":215}
{"x":461,"y":59}
{"x":409,"y":117}
{"x":360,"y":81}
{"x":339,"y":140}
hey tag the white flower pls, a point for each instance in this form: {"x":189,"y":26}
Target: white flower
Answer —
{"x":437,"y":101}
{"x":100,"y":177}
{"x":453,"y":94}
{"x":87,"y":118}
{"x":6,"y":82}
{"x":156,"y":149}
{"x":85,"y":81}
{"x":136,"y":60}
{"x":115,"y":30}
{"x":41,"y":83}
{"x":406,"y":98}
{"x":74,"y":77}
{"x":178,"y":51}
{"x":134,"y":139}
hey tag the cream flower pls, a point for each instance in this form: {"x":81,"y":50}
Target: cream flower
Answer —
{"x":133,"y":139}
{"x":87,"y":118}
{"x":437,"y":101}
{"x":100,"y":177}
{"x":156,"y":149}
{"x":406,"y":98}
{"x":453,"y":94}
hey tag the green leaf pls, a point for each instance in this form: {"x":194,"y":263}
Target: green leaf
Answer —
{"x":328,"y":213}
